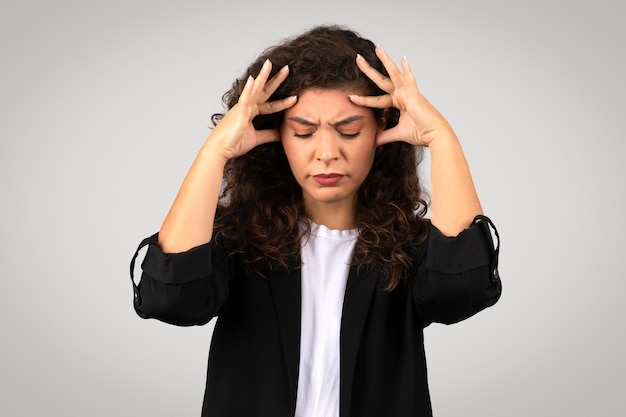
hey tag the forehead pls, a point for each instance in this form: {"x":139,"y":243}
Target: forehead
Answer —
{"x":326,"y":106}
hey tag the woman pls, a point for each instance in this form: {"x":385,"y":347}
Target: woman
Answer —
{"x":301,"y":226}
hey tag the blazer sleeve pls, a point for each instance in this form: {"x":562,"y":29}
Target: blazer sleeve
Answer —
{"x":459,"y":275}
{"x":184,"y":289}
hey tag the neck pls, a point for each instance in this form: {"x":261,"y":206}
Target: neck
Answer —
{"x":332,"y":215}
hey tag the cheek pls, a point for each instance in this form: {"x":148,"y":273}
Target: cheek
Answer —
{"x":294,"y":156}
{"x":367,"y":162}
{"x":365,"y":156}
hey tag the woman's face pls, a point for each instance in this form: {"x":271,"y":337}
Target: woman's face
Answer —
{"x":330,"y":144}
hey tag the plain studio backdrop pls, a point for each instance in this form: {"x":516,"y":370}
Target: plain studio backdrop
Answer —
{"x":103,"y":106}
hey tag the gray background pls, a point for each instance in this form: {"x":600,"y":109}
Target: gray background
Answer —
{"x":103,"y":106}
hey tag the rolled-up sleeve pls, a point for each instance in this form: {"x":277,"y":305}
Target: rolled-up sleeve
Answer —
{"x":459,"y":275}
{"x":186,"y":288}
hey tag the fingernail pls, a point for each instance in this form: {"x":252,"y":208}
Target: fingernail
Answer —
{"x":285,"y":68}
{"x":266,"y":63}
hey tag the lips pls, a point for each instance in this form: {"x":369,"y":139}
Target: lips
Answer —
{"x":327,"y":179}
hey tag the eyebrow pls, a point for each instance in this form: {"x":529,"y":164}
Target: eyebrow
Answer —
{"x":342,"y":122}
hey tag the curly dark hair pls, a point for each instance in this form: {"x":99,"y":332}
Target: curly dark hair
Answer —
{"x":261,"y":206}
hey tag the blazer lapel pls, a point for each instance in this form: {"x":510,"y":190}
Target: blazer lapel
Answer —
{"x":285,"y":287}
{"x":359,"y":292}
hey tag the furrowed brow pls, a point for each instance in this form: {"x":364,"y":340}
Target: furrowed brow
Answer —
{"x":302,"y":121}
{"x":347,"y":120}
{"x":342,"y":122}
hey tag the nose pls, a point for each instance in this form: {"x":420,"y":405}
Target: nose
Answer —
{"x":327,"y":147}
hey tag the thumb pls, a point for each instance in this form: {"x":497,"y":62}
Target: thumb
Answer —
{"x":267,"y":136}
{"x":387,"y":136}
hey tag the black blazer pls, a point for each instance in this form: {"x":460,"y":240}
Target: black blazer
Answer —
{"x":254,"y":355}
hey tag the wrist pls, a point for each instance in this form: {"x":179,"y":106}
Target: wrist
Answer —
{"x":210,"y":150}
{"x":443,"y":142}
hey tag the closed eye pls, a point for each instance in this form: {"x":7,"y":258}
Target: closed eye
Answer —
{"x":350,"y":135}
{"x":303,"y":135}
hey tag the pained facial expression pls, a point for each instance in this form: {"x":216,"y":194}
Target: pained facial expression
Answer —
{"x":330,"y":145}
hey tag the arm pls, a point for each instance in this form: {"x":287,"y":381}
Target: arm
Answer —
{"x":189,"y":222}
{"x":186,"y":288}
{"x":458,"y":276}
{"x":454,"y":200}
{"x":185,"y":279}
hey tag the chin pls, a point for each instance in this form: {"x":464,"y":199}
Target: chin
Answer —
{"x":329,"y":196}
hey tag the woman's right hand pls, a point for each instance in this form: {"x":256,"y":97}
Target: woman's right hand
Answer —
{"x":235,"y":135}
{"x":189,"y":222}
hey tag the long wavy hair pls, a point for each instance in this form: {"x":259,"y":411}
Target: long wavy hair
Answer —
{"x":261,"y":206}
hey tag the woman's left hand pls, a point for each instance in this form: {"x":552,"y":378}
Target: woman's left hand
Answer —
{"x":420,"y":123}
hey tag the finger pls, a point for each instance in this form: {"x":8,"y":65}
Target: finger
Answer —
{"x":379,"y":102}
{"x":408,"y":72}
{"x":278,"y":105}
{"x":276,"y":81}
{"x":261,"y":79}
{"x":245,"y":92}
{"x":379,"y":79}
{"x":394,"y":73}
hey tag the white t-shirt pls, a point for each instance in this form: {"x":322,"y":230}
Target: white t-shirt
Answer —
{"x":326,"y":256}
